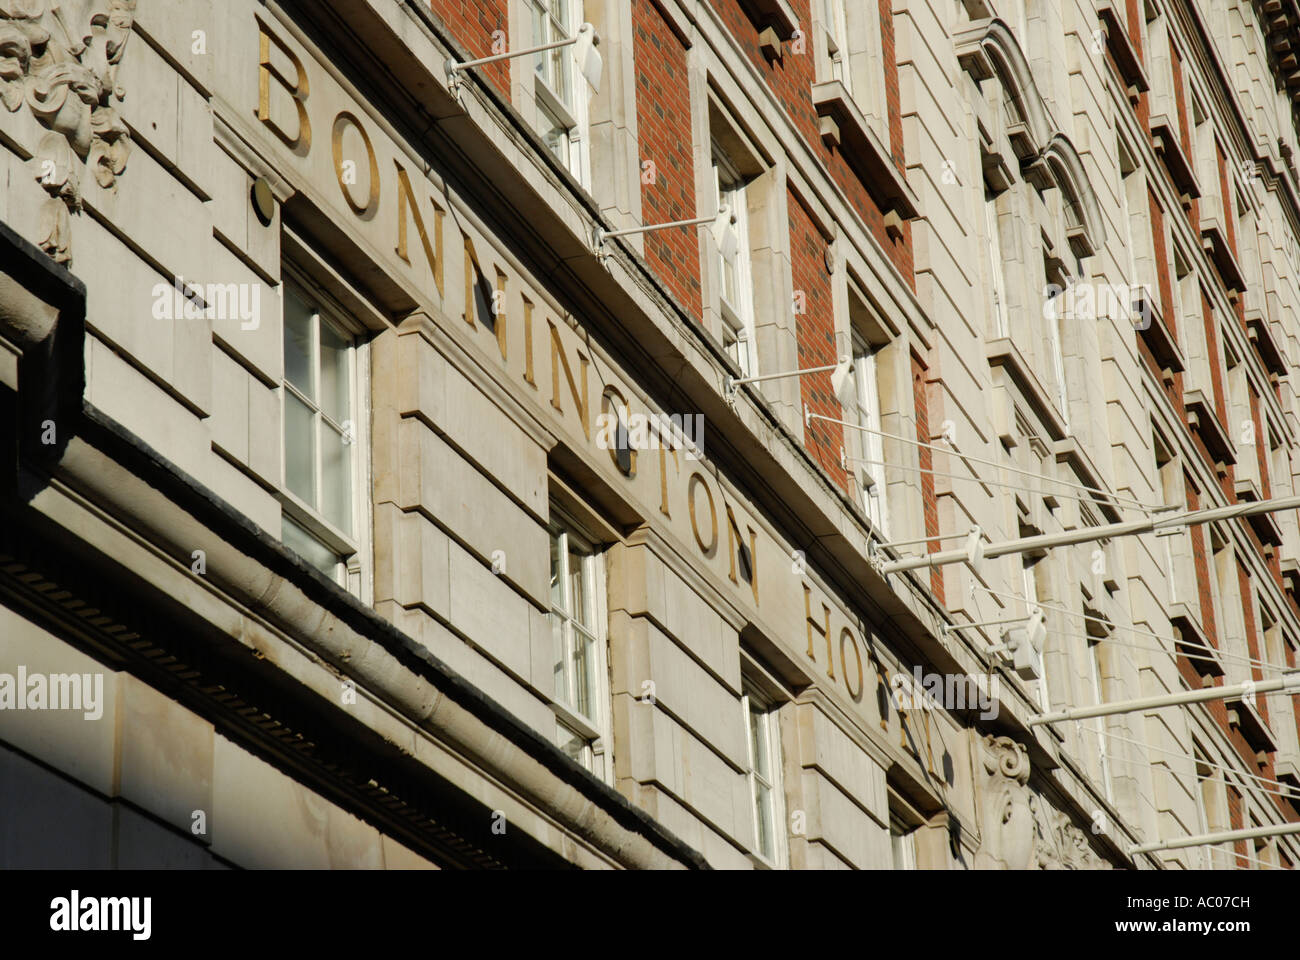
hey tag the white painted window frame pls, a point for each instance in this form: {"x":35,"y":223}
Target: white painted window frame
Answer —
{"x":775,"y":784}
{"x":738,"y":313}
{"x":902,"y":844}
{"x":1103,"y":747}
{"x":594,"y":728}
{"x":572,"y":116}
{"x":353,"y":572}
{"x":997,"y":277}
{"x":873,"y":483}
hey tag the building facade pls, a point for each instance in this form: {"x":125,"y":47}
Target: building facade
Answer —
{"x":367,"y":504}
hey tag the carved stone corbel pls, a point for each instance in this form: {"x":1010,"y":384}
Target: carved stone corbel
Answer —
{"x":61,"y":59}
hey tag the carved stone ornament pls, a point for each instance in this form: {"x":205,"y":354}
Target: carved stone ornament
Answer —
{"x":60,"y":58}
{"x":1020,"y":830}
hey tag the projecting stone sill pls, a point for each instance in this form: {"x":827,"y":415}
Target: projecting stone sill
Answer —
{"x":776,"y":15}
{"x":1121,"y":48}
{"x":844,"y":125}
{"x":1246,"y":717}
{"x":1202,"y":418}
{"x":1004,"y":353}
{"x":1158,"y":337}
{"x":1165,"y":140}
{"x":1215,"y":242}
{"x":1192,"y":642}
{"x":1260,"y":333}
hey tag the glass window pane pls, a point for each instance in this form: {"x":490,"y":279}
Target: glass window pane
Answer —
{"x":763,"y":818}
{"x":539,"y":29}
{"x":758,"y":737}
{"x":561,"y":655}
{"x":335,"y":382}
{"x":559,"y":73}
{"x":554,"y":134}
{"x":309,"y":548}
{"x":298,"y":322}
{"x":578,"y":587}
{"x":584,"y":674}
{"x":299,"y":448}
{"x":336,"y":479}
{"x":557,"y":572}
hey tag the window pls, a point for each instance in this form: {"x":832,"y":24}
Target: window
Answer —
{"x":1207,"y":801}
{"x":837,"y":43}
{"x":1103,"y":747}
{"x":560,"y":92}
{"x":868,"y":415}
{"x":735,"y":285}
{"x":320,"y":492}
{"x":997,"y":285}
{"x":849,"y":48}
{"x":764,"y":774}
{"x":1030,"y":573}
{"x":1229,"y":613}
{"x":1177,"y":542}
{"x":902,"y":843}
{"x":578,"y":630}
{"x":1130,"y":196}
{"x":1054,"y":315}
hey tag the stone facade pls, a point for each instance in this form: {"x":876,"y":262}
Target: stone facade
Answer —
{"x":410,"y":522}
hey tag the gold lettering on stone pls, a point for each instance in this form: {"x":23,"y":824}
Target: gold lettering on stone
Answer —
{"x":822,"y":628}
{"x":528,"y":344}
{"x":623,"y":414}
{"x":406,"y":201}
{"x":663,"y":477}
{"x":697,"y":480}
{"x":560,"y":359}
{"x":846,"y":633}
{"x":735,"y":544}
{"x":298,"y":89}
{"x":499,"y":313}
{"x":363,"y":210}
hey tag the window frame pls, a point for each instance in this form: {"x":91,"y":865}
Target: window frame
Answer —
{"x":855,"y":29}
{"x":902,"y":843}
{"x":1056,"y":347}
{"x":554,"y":111}
{"x":835,"y":31}
{"x":1029,"y":578}
{"x":994,"y":260}
{"x":351,"y":546}
{"x":769,"y":711}
{"x":867,"y":412}
{"x":594,"y":727}
{"x":1098,"y":691}
{"x":738,"y":335}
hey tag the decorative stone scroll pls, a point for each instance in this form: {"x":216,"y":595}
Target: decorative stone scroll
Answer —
{"x":1020,"y":829}
{"x":59,"y":58}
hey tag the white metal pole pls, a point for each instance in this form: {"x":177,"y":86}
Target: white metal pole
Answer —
{"x":1206,"y":839}
{"x":1289,"y":683}
{"x":1091,"y":534}
{"x":454,"y":66}
{"x":630,"y":231}
{"x":782,"y":376}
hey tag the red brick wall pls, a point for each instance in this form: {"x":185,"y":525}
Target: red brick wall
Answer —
{"x":816,"y":337}
{"x":1185,"y":128}
{"x":1162,"y":261}
{"x":1235,"y":821}
{"x":472,"y":22}
{"x":791,"y":77}
{"x":1135,"y":27}
{"x":663,"y":114}
{"x":925,"y":458}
